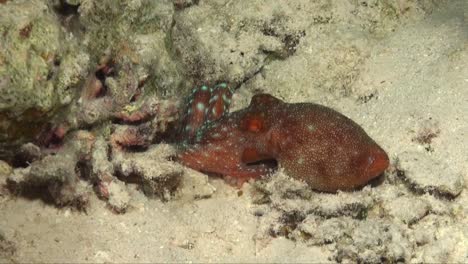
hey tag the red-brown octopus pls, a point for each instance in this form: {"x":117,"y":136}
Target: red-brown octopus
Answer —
{"x":313,"y":143}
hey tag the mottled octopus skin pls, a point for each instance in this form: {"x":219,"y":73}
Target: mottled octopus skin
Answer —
{"x":313,"y":143}
{"x":204,"y":106}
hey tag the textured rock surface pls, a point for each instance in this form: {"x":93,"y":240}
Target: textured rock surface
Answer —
{"x":7,"y":247}
{"x":407,"y":209}
{"x":56,"y":176}
{"x":195,"y":186}
{"x":427,"y":174}
{"x":50,"y":49}
{"x":134,"y":34}
{"x":38,"y":70}
{"x":159,"y":176}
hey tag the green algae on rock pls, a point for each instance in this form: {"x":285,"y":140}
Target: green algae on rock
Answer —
{"x":37,"y":69}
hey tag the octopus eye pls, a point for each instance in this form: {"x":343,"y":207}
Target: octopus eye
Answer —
{"x":253,"y":123}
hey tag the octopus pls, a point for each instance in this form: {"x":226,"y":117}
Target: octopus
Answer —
{"x":312,"y":143}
